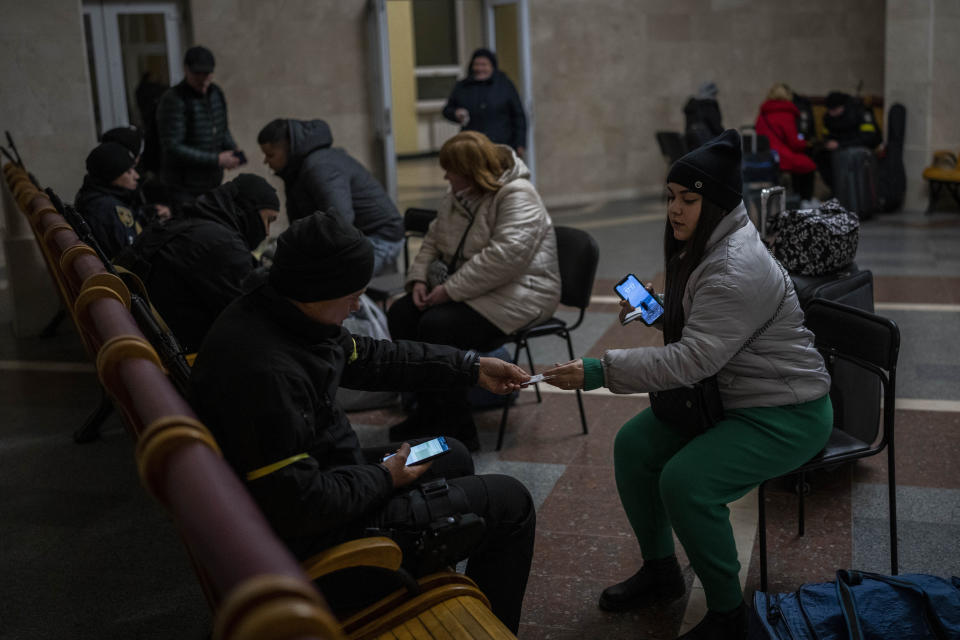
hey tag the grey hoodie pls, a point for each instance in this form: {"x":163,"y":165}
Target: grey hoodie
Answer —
{"x":318,"y":177}
{"x":733,"y":291}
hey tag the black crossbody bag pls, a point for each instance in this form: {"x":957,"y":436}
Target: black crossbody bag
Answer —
{"x":694,"y":409}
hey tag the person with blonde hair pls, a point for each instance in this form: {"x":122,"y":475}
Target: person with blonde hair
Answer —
{"x":778,"y":121}
{"x":487,"y":267}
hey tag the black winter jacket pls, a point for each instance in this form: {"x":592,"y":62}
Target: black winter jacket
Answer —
{"x":265,"y":383}
{"x":703,"y":121}
{"x":193,"y":131}
{"x":112,"y":212}
{"x":855,"y":127}
{"x":318,"y":177}
{"x":194,"y":266}
{"x":495,"y":109}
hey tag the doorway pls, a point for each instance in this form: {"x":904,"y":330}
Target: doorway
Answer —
{"x":133,"y":54}
{"x":427,"y":46}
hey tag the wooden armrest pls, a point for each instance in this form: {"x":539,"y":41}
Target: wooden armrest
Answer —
{"x":365,"y":552}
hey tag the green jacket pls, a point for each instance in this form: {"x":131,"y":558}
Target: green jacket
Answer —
{"x":193,"y":131}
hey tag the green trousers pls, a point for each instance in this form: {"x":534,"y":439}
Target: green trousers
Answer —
{"x":669,"y":482}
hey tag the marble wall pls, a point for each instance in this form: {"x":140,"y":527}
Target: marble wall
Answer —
{"x":922,"y":50}
{"x":46,"y":105}
{"x":609,"y":74}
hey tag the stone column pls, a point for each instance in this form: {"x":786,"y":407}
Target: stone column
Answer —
{"x":921,"y":72}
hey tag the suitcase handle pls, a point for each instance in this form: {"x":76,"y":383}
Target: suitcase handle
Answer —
{"x":847,"y":579}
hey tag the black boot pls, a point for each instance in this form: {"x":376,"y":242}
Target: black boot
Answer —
{"x":731,"y":625}
{"x":657,"y":580}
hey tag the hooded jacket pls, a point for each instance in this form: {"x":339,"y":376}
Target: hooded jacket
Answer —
{"x":508,"y":272}
{"x":193,"y":130}
{"x":703,"y":121}
{"x":195,"y":265}
{"x":112,"y":213}
{"x":778,"y":121}
{"x":855,"y":127}
{"x":730,"y":295}
{"x":494,"y":106}
{"x":265,"y":384}
{"x":318,"y":177}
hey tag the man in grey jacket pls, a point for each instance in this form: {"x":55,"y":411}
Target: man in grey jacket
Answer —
{"x":318,"y":177}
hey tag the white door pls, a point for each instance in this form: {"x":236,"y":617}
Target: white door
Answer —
{"x":379,"y":38}
{"x":508,"y":34}
{"x":128,"y":43}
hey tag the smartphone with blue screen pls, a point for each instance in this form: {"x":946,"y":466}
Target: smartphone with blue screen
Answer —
{"x":424,"y":451}
{"x":646,"y":307}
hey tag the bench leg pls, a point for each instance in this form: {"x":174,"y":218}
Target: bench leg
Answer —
{"x":90,"y":429}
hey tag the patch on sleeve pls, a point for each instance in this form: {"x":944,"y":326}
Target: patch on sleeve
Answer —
{"x":125,"y":216}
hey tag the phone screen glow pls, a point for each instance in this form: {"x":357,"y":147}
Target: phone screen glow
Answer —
{"x":639,"y":298}
{"x":424,"y":450}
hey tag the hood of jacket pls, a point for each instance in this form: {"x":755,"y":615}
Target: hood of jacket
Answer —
{"x":518,"y":171}
{"x":770,"y":107}
{"x":307,"y":136}
{"x":224,"y":206}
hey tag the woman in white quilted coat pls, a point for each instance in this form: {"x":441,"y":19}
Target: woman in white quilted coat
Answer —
{"x":487,"y":267}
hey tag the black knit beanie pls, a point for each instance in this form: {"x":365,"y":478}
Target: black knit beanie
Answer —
{"x":253,"y":192}
{"x":836,"y":99}
{"x":108,"y":161}
{"x":131,"y":137}
{"x":321,"y":258}
{"x":713,"y":170}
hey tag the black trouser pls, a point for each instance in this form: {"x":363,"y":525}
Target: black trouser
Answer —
{"x":824,"y":159}
{"x":803,"y":184}
{"x":455,"y":324}
{"x":500,"y":563}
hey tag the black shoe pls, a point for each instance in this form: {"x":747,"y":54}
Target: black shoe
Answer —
{"x":656,"y":581}
{"x":732,"y":625}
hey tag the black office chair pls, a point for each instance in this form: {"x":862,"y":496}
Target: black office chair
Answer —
{"x":578,"y":256}
{"x":860,"y":349}
{"x":672,"y":145}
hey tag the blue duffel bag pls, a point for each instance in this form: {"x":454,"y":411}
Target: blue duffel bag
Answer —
{"x":861,"y":606}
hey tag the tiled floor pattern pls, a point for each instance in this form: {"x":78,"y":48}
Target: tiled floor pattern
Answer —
{"x":89,"y":550}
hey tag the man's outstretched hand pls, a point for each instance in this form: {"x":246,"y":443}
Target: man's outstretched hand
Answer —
{"x":497,"y":376}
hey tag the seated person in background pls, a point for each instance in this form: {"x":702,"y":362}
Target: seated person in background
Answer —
{"x":108,"y":199}
{"x":194,"y":265}
{"x":265,"y":384}
{"x":317,"y":177}
{"x":778,"y":121}
{"x":702,"y":115}
{"x":132,"y":138}
{"x":722,"y":286}
{"x":849,"y":124}
{"x":487,"y":267}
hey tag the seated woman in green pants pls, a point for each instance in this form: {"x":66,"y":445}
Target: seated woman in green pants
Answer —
{"x":722,"y":288}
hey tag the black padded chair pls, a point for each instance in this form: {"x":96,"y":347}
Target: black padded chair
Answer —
{"x":860,"y":349}
{"x":672,"y":145}
{"x":578,"y":255}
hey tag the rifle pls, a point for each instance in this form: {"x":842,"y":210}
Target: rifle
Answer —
{"x":166,"y":344}
{"x":16,"y":159}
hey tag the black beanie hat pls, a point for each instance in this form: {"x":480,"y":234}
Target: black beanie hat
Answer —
{"x":131,"y":137}
{"x":253,"y":192}
{"x":108,"y":161}
{"x":321,"y":258}
{"x":713,"y":170}
{"x":836,"y":99}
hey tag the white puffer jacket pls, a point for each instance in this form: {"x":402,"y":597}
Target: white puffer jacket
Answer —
{"x":731,"y":294}
{"x":508,"y":272}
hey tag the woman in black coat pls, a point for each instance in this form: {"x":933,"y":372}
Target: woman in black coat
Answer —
{"x":486,"y":101}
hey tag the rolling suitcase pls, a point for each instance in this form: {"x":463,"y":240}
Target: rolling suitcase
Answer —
{"x":850,"y":286}
{"x":855,"y":179}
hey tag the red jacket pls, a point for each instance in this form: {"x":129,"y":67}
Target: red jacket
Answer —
{"x":778,"y":121}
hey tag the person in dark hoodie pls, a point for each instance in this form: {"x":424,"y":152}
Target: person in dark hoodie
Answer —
{"x":702,"y":115}
{"x":195,"y":265}
{"x":486,"y":101}
{"x":318,"y":177}
{"x":108,"y":199}
{"x":848,"y":124}
{"x":151,"y":206}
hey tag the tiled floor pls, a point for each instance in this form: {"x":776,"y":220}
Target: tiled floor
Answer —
{"x":86,"y":554}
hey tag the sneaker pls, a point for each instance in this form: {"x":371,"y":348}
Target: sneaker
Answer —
{"x":656,"y":581}
{"x":732,"y":625}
